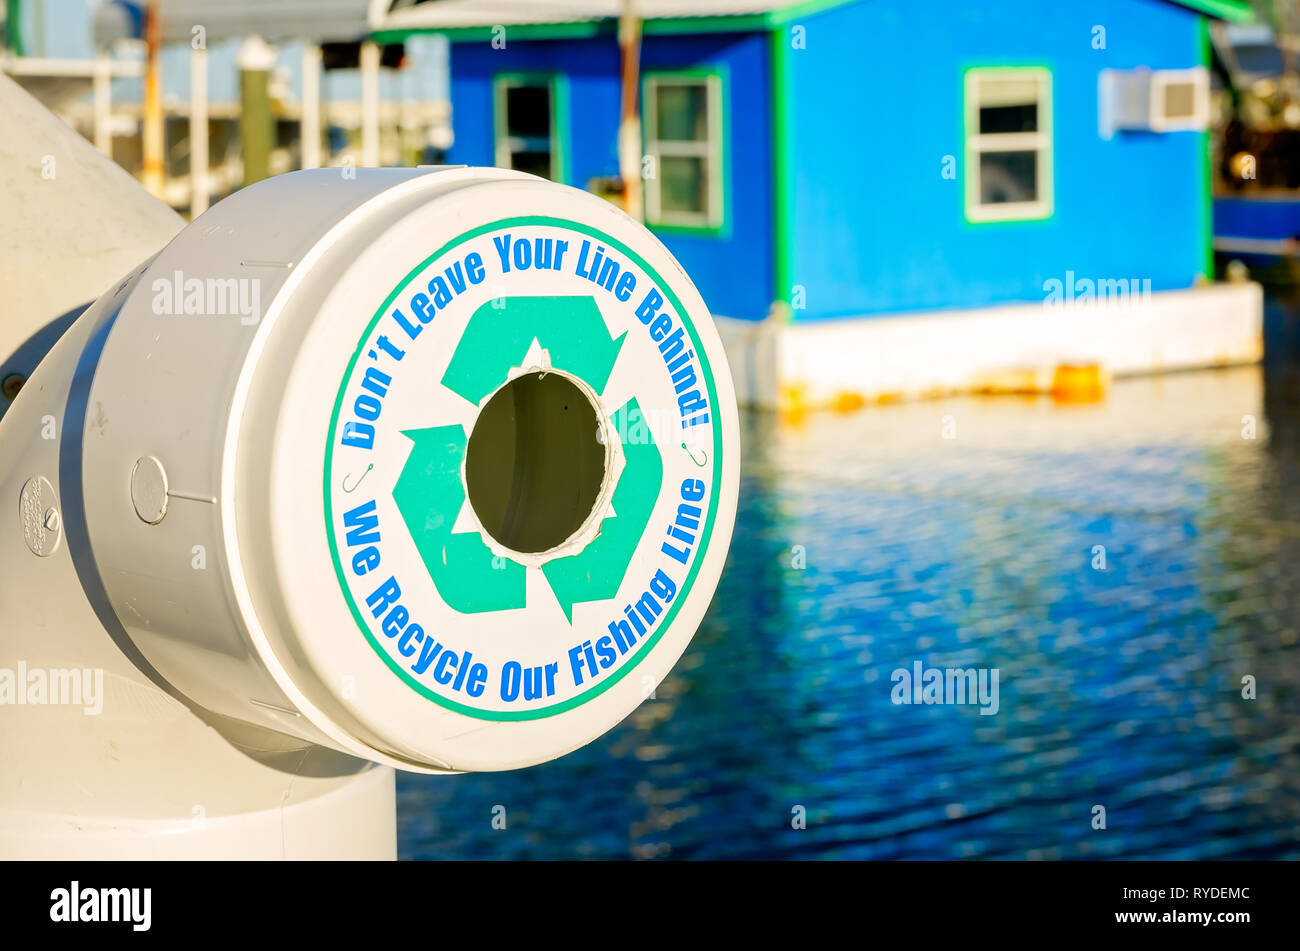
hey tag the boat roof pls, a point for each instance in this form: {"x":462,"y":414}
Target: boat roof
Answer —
{"x":319,"y":21}
{"x":665,"y":15}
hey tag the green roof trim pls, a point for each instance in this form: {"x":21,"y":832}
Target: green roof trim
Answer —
{"x":1234,"y":11}
{"x":805,"y":9}
{"x":661,"y":26}
{"x":584,"y":29}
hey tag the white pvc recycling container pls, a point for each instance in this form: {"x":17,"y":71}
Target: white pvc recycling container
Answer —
{"x":435,"y":467}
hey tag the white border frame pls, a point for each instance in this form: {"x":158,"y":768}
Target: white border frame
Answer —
{"x":1039,"y":142}
{"x":1161,"y":79}
{"x":710,"y":150}
{"x":504,"y":144}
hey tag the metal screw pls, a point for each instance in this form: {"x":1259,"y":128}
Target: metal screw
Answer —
{"x":11,"y":384}
{"x":52,"y":520}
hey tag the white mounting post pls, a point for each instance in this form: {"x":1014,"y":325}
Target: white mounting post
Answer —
{"x":199,"y":188}
{"x":370,"y":104}
{"x":310,"y":128}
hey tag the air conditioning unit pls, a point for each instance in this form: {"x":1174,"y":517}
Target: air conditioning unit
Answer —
{"x":1153,"y":100}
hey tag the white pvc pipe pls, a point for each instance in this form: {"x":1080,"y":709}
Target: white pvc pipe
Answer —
{"x":96,"y":208}
{"x":173,"y":786}
{"x":162,"y":564}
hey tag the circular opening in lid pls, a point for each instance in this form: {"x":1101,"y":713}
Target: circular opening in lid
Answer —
{"x":535,"y":464}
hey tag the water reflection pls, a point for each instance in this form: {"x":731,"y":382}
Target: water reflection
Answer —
{"x":1123,"y":565}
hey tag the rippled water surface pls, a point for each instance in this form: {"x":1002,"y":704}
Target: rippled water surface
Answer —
{"x":1118,"y":686}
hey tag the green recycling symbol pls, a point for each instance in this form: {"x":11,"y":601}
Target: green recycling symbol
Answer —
{"x":429,"y":492}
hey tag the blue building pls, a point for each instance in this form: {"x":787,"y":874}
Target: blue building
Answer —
{"x":858,"y":160}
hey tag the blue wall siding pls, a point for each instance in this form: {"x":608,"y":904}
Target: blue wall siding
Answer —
{"x":733,"y":270}
{"x":877,"y":102}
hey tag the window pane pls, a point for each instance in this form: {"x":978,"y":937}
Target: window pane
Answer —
{"x":1008,"y":91}
{"x":1008,"y":177}
{"x":683,"y":184}
{"x":528,"y":112}
{"x":995,"y":119}
{"x":534,"y":163}
{"x":681,"y":113}
{"x":1180,"y":101}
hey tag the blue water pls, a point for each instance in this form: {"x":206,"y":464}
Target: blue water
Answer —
{"x":1119,"y":686}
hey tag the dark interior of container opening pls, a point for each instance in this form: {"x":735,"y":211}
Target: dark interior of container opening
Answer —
{"x":535,"y":465}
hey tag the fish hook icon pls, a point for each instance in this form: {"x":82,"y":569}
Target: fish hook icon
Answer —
{"x":359,"y":478}
{"x":697,"y":461}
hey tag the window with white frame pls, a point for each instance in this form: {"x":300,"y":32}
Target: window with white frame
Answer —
{"x":526,"y":138}
{"x":683,"y":138}
{"x":1008,"y":144}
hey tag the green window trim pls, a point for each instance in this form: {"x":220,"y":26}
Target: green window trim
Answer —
{"x":975,"y":144}
{"x":717,"y":221}
{"x":557,"y":86}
